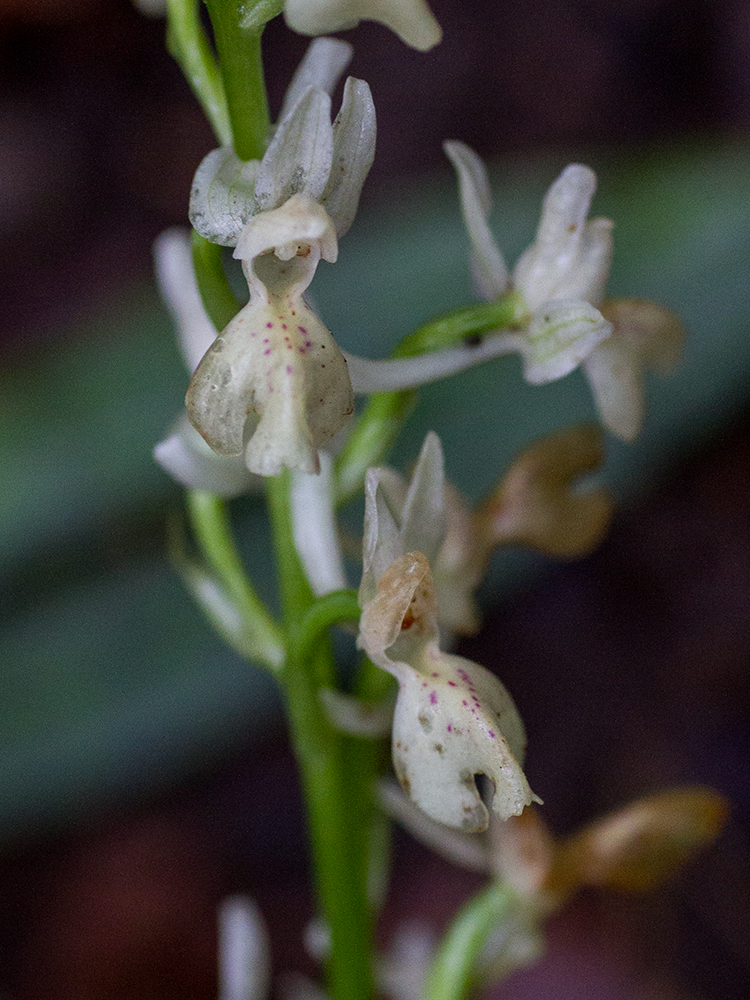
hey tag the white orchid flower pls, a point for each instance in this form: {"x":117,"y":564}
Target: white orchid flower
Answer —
{"x":183,"y":453}
{"x":274,"y":386}
{"x":412,"y":20}
{"x":562,"y":277}
{"x":453,"y":719}
{"x":275,"y":360}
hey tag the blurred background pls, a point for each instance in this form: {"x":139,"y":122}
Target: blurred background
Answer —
{"x":144,"y":770}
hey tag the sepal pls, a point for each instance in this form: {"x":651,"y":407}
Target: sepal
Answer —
{"x":645,"y":336}
{"x":559,"y":337}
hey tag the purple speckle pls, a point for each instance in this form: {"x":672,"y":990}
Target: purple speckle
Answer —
{"x":452,"y":684}
{"x":302,"y":329}
{"x":289,"y":369}
{"x":267,"y":350}
{"x":283,"y":326}
{"x":301,"y":350}
{"x":463,"y":675}
{"x":449,"y":727}
{"x":270,"y":326}
{"x":490,"y":734}
{"x":433,"y":697}
{"x":266,"y":340}
{"x":253,"y":334}
{"x":308,"y":343}
{"x":435,"y":674}
{"x":473,"y":711}
{"x":465,"y":704}
{"x":424,"y":684}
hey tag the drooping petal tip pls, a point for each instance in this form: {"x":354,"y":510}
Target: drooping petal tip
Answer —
{"x":411,"y":20}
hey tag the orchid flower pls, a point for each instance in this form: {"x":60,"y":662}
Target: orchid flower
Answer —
{"x":274,"y":386}
{"x":453,"y":719}
{"x":275,"y":359}
{"x":412,"y":20}
{"x":538,"y":503}
{"x":561,"y":278}
{"x":184,"y":454}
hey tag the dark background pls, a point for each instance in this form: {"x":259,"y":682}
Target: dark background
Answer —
{"x":630,"y":668}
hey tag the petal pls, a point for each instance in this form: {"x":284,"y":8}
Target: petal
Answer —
{"x":299,"y":233}
{"x":538,"y":503}
{"x":588,"y":279}
{"x":464,"y":849}
{"x":280,"y":362}
{"x":412,"y":20}
{"x":244,"y":955}
{"x":551,"y":256}
{"x":321,"y":67}
{"x":173,"y":262}
{"x":559,"y":337}
{"x":452,"y":722}
{"x":458,"y":568}
{"x":298,"y":160}
{"x":523,"y":852}
{"x":402,"y":615}
{"x":398,"y":517}
{"x":645,"y":336}
{"x":357,"y":717}
{"x":354,"y":134}
{"x":487,"y":263}
{"x":381,"y":545}
{"x":423,"y":522}
{"x":314,"y":527}
{"x":644,"y":843}
{"x":189,"y":460}
{"x":221,"y":199}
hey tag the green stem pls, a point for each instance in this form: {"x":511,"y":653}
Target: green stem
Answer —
{"x":338,"y":826}
{"x":338,"y":606}
{"x":242,"y":72}
{"x":187,"y":43}
{"x":463,"y":323}
{"x":372,"y":438}
{"x":385,"y":413}
{"x":219,"y":300}
{"x":455,"y":965}
{"x":210,"y":521}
